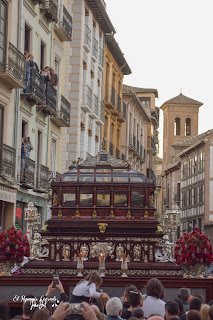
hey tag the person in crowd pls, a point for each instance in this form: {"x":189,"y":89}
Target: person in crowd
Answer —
{"x":23,"y":156}
{"x":62,"y":311}
{"x":126,"y":303}
{"x":98,"y":313}
{"x":53,"y":78}
{"x":182,"y":314}
{"x":138,"y":313}
{"x":184,"y":295}
{"x":33,"y":64}
{"x":172,"y":310}
{"x":41,"y":314}
{"x":135,"y":300}
{"x":153,"y":304}
{"x":193,"y":315}
{"x":195,"y":304}
{"x":114,"y":309}
{"x":211,"y":312}
{"x":198,"y":295}
{"x":4,"y":311}
{"x":27,"y":311}
{"x":28,"y":146}
{"x":205,"y":312}
{"x":46,"y":74}
{"x":26,"y":54}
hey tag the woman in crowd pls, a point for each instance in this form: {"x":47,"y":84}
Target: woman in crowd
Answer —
{"x":153,"y":304}
{"x":135,"y":300}
{"x":205,"y":312}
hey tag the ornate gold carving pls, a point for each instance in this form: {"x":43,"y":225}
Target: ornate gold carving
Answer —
{"x":94,"y":213}
{"x":146,"y":215}
{"x":129,"y":213}
{"x":111,"y":213}
{"x":44,"y":228}
{"x":60,"y":212}
{"x":102,"y":227}
{"x":55,"y":199}
{"x":77,"y":213}
{"x":160,"y":230}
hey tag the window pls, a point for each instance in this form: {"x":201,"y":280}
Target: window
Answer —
{"x":103,"y":198}
{"x":24,"y":128}
{"x":177,"y":127}
{"x":86,"y":198}
{"x":42,"y":55}
{"x":137,"y":198}
{"x":1,"y":124}
{"x":3,"y":29}
{"x":188,"y":127}
{"x":27,"y":34}
{"x":145,"y":102}
{"x":120,"y":199}
{"x":69,"y":200}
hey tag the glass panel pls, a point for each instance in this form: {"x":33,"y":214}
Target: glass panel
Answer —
{"x":86,"y":170}
{"x":120,"y":199}
{"x":103,"y":198}
{"x":137,"y":198}
{"x":86,"y":199}
{"x":103,"y":177}
{"x":120,"y":178}
{"x":86,"y":177}
{"x":103,"y":170}
{"x":138,"y":178}
{"x":69,"y":177}
{"x":69,"y":200}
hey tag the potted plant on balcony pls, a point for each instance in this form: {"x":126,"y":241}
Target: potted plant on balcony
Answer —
{"x":193,"y":253}
{"x":13,"y":247}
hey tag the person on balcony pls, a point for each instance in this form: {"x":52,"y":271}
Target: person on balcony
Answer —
{"x":53,"y":78}
{"x":23,"y":156}
{"x":33,"y":64}
{"x":28,"y":146}
{"x":27,"y":79}
{"x":46,"y":73}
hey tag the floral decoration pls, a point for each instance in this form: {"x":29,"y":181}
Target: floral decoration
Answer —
{"x":193,"y":249}
{"x":13,"y":246}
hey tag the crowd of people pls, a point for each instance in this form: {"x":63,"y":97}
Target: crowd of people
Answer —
{"x":89,"y":304}
{"x":48,"y":73}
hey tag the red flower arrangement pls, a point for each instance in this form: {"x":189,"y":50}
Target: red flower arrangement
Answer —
{"x":193,"y":249}
{"x":13,"y":246}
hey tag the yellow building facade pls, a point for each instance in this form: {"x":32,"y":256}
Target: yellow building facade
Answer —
{"x":115,"y":67}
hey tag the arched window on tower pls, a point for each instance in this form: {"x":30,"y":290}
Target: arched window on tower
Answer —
{"x":188,"y":127}
{"x":177,"y":127}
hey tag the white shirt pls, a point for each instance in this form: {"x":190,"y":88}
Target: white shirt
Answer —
{"x":82,"y":289}
{"x":152,"y":305}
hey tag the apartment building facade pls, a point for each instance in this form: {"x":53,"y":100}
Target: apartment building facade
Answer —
{"x":115,"y":67}
{"x":139,"y":136}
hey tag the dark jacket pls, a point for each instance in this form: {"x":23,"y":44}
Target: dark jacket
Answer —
{"x":54,"y":79}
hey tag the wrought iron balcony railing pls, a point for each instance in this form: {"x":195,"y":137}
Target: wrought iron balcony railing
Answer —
{"x":119,"y":103}
{"x":51,"y":99}
{"x":51,"y":9}
{"x":101,"y":57}
{"x":142,"y":152}
{"x":123,"y":156}
{"x":153,"y":144}
{"x":113,"y":96}
{"x":63,"y":27}
{"x":35,"y":88}
{"x":7,"y":161}
{"x":62,"y":117}
{"x":42,"y":179}
{"x":111,"y":148}
{"x":95,"y":105}
{"x":87,"y":36}
{"x":151,"y":175}
{"x":12,"y":65}
{"x":95,"y":48}
{"x":117,"y":153}
{"x":29,"y":173}
{"x":86,"y":99}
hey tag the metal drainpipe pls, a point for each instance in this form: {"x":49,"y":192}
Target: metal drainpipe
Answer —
{"x":17,"y":91}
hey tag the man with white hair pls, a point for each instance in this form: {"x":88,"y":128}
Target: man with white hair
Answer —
{"x":114,"y":309}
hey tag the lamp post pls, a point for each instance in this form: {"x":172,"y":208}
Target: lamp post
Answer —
{"x":33,"y":218}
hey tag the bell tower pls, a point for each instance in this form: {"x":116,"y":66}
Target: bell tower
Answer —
{"x":180,"y":122}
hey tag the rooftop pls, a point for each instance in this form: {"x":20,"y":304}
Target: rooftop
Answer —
{"x":127,"y":89}
{"x":181,"y":99}
{"x":193,"y":140}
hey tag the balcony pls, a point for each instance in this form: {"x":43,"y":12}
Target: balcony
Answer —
{"x":142,"y":152}
{"x":50,"y":7}
{"x":7,"y":161}
{"x":29,"y":173}
{"x":35,"y":89}
{"x":94,"y":50}
{"x":86,"y":99}
{"x":100,"y":119}
{"x":101,"y":59}
{"x":63,"y":26}
{"x":111,"y":148}
{"x":62,"y":117}
{"x":87,"y":39}
{"x":123,"y":156}
{"x":94,"y":107}
{"x":117,"y":153}
{"x":110,"y":97}
{"x":50,"y":100}
{"x":151,"y":144}
{"x":12,"y":66}
{"x":42,"y":179}
{"x":151,"y":175}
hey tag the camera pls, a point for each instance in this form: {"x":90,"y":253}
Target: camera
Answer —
{"x":75,"y":308}
{"x":28,"y":138}
{"x":55,"y":280}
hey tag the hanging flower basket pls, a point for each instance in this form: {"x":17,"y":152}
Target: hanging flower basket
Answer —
{"x":13,"y":247}
{"x":193,"y":252}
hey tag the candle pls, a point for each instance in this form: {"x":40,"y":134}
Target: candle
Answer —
{"x":124,"y":257}
{"x":102,"y":257}
{"x":80,"y":255}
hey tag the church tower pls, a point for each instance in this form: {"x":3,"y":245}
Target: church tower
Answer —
{"x":180,"y":122}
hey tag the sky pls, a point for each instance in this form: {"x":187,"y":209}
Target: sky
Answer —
{"x":168,"y":45}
